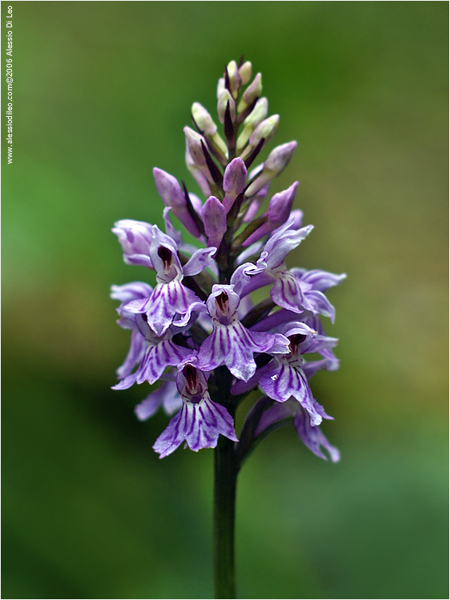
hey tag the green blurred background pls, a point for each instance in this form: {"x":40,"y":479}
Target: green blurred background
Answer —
{"x":102,"y":91}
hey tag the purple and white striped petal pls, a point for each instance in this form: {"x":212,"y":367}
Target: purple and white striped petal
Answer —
{"x":287,"y":292}
{"x":201,"y":259}
{"x":134,"y":356}
{"x":199,"y":424}
{"x":281,"y":243}
{"x":167,"y":396}
{"x":317,"y":279}
{"x":155,"y":357}
{"x":166,"y":301}
{"x":281,"y":381}
{"x":233,"y":346}
{"x":200,"y":420}
{"x":230,"y":342}
{"x":130,"y":291}
{"x":159,"y":356}
{"x":313,"y":438}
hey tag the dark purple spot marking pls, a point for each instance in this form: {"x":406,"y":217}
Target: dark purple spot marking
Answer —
{"x":295,"y":341}
{"x":165,"y":255}
{"x":222,"y":301}
{"x":190,"y":373}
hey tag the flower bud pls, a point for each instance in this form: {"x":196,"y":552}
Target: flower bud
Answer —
{"x":256,"y":203}
{"x":266,"y":130}
{"x":245,"y":72}
{"x":274,"y":165}
{"x":234,"y":77}
{"x":220,"y":86}
{"x":173,"y":196}
{"x":203,"y":119}
{"x":250,"y":123}
{"x":277,"y":214}
{"x":251,"y":93}
{"x":194,"y":144}
{"x":234,"y":180}
{"x":201,"y":157}
{"x":225,"y":98}
{"x":197,"y":173}
{"x":215,"y":220}
{"x":280,"y":156}
{"x":208,"y":128}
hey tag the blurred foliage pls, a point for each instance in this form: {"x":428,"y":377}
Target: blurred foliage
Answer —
{"x":101,"y":93}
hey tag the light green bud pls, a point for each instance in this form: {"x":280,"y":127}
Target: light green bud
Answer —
{"x":266,"y":130}
{"x":220,"y":86}
{"x":251,"y":122}
{"x":203,"y":119}
{"x":224,"y":98}
{"x":245,"y":72}
{"x":251,"y":93}
{"x":209,"y":128}
{"x":234,"y":77}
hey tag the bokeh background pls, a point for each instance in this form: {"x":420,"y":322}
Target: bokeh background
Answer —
{"x":102,"y":91}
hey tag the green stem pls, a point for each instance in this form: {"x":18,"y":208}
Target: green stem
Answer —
{"x":225,"y":474}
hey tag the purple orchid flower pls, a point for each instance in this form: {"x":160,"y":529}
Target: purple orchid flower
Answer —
{"x":230,"y":342}
{"x":286,"y":375}
{"x":296,"y":290}
{"x":200,"y":420}
{"x":170,"y":297}
{"x":155,"y":354}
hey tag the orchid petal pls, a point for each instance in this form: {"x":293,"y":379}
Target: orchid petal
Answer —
{"x":201,"y":259}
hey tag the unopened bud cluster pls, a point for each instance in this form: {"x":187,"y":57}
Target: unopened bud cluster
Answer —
{"x":198,"y":329}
